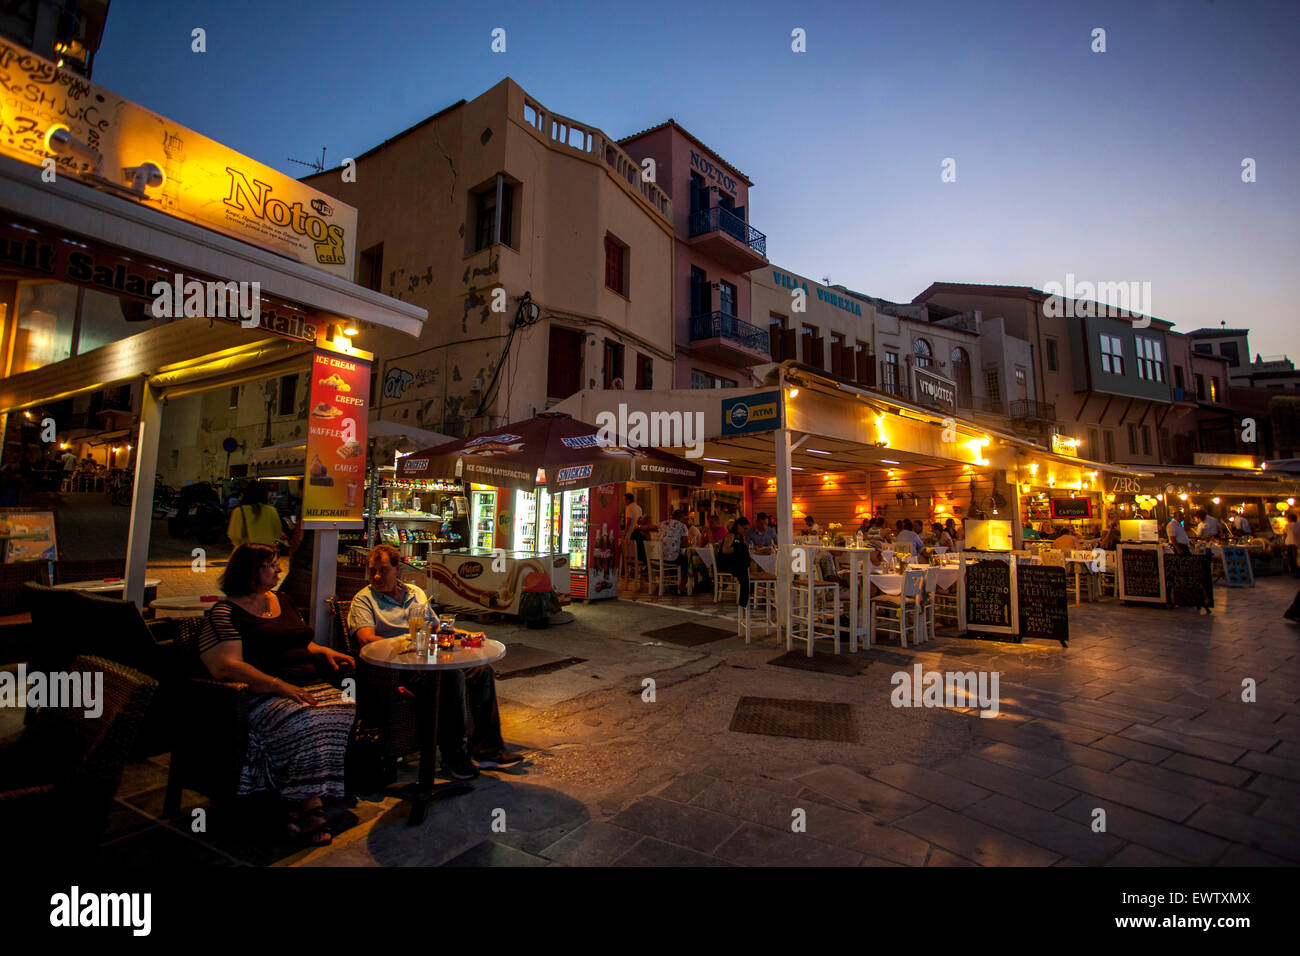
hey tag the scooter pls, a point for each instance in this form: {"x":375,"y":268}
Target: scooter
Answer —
{"x":198,"y":513}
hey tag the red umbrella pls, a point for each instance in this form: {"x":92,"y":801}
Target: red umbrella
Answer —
{"x":551,"y":450}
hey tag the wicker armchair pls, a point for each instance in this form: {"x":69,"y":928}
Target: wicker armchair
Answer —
{"x":58,"y":780}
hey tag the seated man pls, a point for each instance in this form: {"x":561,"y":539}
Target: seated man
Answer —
{"x":379,"y":610}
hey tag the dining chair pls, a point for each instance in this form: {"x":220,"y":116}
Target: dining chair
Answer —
{"x":762,"y":599}
{"x":659,"y":568}
{"x":891,"y":612}
{"x":824,"y":623}
{"x":724,"y":583}
{"x":925,"y":608}
{"x":945,"y":602}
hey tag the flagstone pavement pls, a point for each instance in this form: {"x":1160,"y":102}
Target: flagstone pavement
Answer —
{"x":1158,"y":737}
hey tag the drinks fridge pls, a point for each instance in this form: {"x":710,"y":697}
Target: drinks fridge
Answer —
{"x":483,"y":518}
{"x":526,"y":537}
{"x":590,"y":535}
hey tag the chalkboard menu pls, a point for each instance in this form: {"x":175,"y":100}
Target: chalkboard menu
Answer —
{"x":1044,"y":607}
{"x":1139,"y":571}
{"x":988,"y":595}
{"x":1071,"y":507}
{"x":1189,"y":581}
{"x":1237,"y":567}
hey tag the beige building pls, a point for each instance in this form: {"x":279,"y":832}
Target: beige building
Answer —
{"x":543,"y":259}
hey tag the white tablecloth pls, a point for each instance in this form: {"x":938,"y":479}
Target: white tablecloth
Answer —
{"x":893,"y":583}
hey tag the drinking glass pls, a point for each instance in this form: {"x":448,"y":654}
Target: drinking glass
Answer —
{"x":414,"y":619}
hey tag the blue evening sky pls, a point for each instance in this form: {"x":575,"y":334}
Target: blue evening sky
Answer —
{"x":1115,"y":166}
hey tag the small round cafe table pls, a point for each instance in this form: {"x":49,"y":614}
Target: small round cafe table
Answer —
{"x":393,"y":653}
{"x":184,"y":605}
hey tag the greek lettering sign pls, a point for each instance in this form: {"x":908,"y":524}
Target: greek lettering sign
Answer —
{"x":934,"y":390}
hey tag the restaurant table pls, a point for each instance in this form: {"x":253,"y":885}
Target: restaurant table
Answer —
{"x":184,"y":605}
{"x":765,"y":562}
{"x":392,"y":653}
{"x":1081,"y":565}
{"x":104,"y":585}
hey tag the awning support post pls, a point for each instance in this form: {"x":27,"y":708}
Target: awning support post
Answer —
{"x":324,"y":570}
{"x":146,"y":467}
{"x":785,"y":516}
{"x":1017,"y":520}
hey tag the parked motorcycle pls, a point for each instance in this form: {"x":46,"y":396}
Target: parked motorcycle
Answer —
{"x":198,"y":513}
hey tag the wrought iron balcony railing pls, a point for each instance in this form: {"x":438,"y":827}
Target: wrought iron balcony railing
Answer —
{"x":721,"y":325}
{"x":718,"y":219}
{"x":1040,"y":411}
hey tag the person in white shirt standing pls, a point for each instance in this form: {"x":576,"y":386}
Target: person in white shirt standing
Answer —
{"x":1177,"y":534}
{"x":1210,"y":526}
{"x":631,"y":515}
{"x":672,"y":533}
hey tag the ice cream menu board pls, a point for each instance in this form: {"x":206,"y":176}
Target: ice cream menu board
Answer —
{"x":336,"y":441}
{"x":1140,"y":574}
{"x":1237,"y":567}
{"x":989,"y":595}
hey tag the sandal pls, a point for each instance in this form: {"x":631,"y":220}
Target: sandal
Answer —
{"x":317,"y":835}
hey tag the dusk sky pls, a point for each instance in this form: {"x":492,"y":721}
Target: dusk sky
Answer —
{"x":1116,"y":166}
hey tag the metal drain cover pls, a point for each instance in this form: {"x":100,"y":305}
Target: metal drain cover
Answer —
{"x":805,"y":719}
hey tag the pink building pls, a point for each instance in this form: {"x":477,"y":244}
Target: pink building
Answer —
{"x":714,"y":250}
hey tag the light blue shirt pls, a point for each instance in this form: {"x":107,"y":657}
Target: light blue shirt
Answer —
{"x":386,"y":615}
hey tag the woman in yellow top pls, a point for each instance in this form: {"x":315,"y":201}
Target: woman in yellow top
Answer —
{"x":254,"y":521}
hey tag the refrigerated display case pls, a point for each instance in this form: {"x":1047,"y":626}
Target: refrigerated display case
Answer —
{"x":526,"y":526}
{"x":590,"y":535}
{"x":483,"y":518}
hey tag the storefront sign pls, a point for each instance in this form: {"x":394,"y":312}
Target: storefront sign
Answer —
{"x":203,"y":182}
{"x":751,"y":413}
{"x":1071,"y":507}
{"x":1064,"y":445}
{"x":713,"y":172}
{"x":28,"y":536}
{"x":38,"y":252}
{"x":336,"y":441}
{"x":934,"y":390}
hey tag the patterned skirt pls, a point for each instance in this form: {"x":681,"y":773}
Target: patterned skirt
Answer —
{"x":297,"y":750}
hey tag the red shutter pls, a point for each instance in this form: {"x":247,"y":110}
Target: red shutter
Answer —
{"x":819,"y":353}
{"x":774,"y":340}
{"x":788,"y":340}
{"x":866,"y":368}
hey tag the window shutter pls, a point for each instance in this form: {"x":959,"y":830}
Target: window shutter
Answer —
{"x":788,"y":344}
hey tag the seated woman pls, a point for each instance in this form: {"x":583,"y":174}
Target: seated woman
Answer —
{"x":298,"y":725}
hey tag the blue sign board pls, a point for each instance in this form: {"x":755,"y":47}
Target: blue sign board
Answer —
{"x":751,"y":413}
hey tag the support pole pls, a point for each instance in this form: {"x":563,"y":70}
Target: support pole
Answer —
{"x":785,"y":528}
{"x":1017,"y":521}
{"x":324,"y":571}
{"x":146,"y":466}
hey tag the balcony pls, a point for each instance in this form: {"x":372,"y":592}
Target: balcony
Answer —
{"x":728,"y":239}
{"x":727,"y":339}
{"x":1031,"y":411}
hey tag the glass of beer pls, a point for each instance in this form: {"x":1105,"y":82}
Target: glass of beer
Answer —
{"x":414,"y":619}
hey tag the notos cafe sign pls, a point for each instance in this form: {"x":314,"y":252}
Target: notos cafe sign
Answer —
{"x":203,"y":182}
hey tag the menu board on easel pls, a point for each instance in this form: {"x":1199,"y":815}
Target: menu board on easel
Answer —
{"x":1189,"y":580}
{"x":1237,"y":567}
{"x":1140,"y":574}
{"x":1044,"y":603}
{"x":991,"y":600}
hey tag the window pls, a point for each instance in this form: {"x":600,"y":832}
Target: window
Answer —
{"x":613,"y":364}
{"x":1112,"y":355}
{"x":776,"y":338}
{"x":1109,"y":437}
{"x":961,"y":375}
{"x":1178,"y":377}
{"x":645,"y":368}
{"x":1214,"y":388}
{"x":1199,"y":379}
{"x":923,"y":354}
{"x":370,"y":267}
{"x":727,"y":298}
{"x":1132,"y":438}
{"x":288,"y":394}
{"x":1022,"y":386}
{"x":889,"y":372}
{"x":47,"y":313}
{"x":1094,"y":447}
{"x":615,"y":265}
{"x":1146,"y":439}
{"x":1051,"y":355}
{"x":1205,"y":348}
{"x":1150,"y":361}
{"x":812,"y":346}
{"x":992,"y":386}
{"x":564,"y":362}
{"x":700,"y":379}
{"x":487,"y":217}
{"x":701,"y":292}
{"x":1229,"y":351}
{"x":234,"y":396}
{"x":1166,"y":453}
